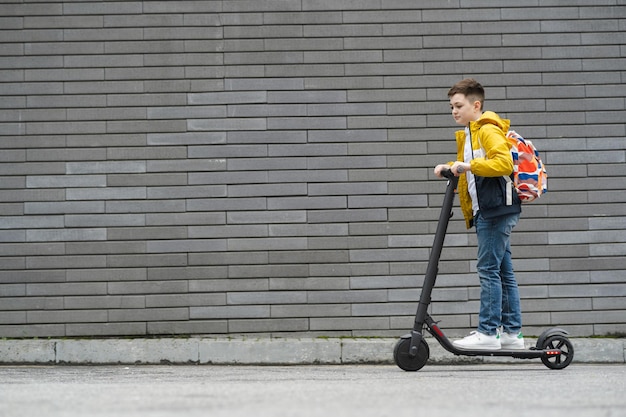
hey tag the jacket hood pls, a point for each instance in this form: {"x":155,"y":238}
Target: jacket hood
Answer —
{"x":490,"y":117}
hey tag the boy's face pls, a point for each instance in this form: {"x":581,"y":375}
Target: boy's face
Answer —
{"x":464,"y":109}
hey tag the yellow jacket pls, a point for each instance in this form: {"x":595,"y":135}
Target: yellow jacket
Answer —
{"x":487,"y":133}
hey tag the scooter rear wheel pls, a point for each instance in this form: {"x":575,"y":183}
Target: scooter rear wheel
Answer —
{"x":567,"y":352}
{"x":406,"y":362}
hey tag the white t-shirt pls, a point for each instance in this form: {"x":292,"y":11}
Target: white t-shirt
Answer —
{"x":471,"y":181}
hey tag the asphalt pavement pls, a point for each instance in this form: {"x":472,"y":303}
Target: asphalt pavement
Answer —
{"x":524,"y":389}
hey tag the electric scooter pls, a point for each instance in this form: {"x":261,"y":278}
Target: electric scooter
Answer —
{"x":411,"y":352}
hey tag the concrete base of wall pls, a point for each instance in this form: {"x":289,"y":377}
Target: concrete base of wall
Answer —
{"x":222,"y":351}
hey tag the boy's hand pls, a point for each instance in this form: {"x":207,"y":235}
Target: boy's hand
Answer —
{"x":440,"y":168}
{"x":459,"y":168}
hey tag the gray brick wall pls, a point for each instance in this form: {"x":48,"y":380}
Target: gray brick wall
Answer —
{"x":265,"y":167}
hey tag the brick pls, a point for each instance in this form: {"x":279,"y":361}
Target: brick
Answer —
{"x":105,"y":167}
{"x":227,"y":124}
{"x":365,"y":135}
{"x":348,"y":215}
{"x":227,"y":151}
{"x":225,"y":204}
{"x":118,"y":180}
{"x":272,"y":297}
{"x":266,"y":217}
{"x":184,"y":300}
{"x":267,"y":137}
{"x":306,"y":69}
{"x":386,"y":201}
{"x":66,"y":289}
{"x":89,"y":34}
{"x":106,"y":248}
{"x":148,"y":314}
{"x":340,"y":5}
{"x":343,"y":56}
{"x":309,"y":175}
{"x":146,"y":153}
{"x":111,"y":193}
{"x":33,"y":330}
{"x":259,"y":58}
{"x":190,"y":245}
{"x":266,"y":243}
{"x":103,"y":140}
{"x":187,"y":327}
{"x":13,"y":290}
{"x":357,"y":323}
{"x":187,"y":138}
{"x":31,"y":276}
{"x":151,"y":206}
{"x":320,"y":310}
{"x":32,"y":168}
{"x":349,"y":188}
{"x":227,"y":98}
{"x":301,"y":18}
{"x":100,"y":329}
{"x":186,"y":165}
{"x":64,"y":235}
{"x":74,"y":207}
{"x":312,"y":283}
{"x":12,"y":222}
{"x":54,"y":181}
{"x":269,"y":82}
{"x":169,"y":219}
{"x":287,"y":123}
{"x":12,"y":209}
{"x":267,"y":326}
{"x":307,"y":97}
{"x":165,"y":7}
{"x":229,"y":312}
{"x":240,"y":284}
{"x":103,"y":87}
{"x":309,"y":256}
{"x":266,"y":190}
{"x":237,"y":177}
{"x":306,"y":203}
{"x":268,"y":6}
{"x":104,"y":302}
{"x":67,"y":316}
{"x":13,"y":236}
{"x":186,"y":192}
{"x":246,"y":271}
{"x":105,"y":274}
{"x":148,"y":260}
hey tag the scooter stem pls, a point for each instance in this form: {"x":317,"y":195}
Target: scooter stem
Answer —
{"x":435,"y":254}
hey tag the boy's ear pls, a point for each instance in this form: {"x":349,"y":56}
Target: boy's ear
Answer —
{"x":476,"y":105}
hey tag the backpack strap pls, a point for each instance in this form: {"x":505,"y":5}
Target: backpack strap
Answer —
{"x":507,"y":178}
{"x":509,"y":190}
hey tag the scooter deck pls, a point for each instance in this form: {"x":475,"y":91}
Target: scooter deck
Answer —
{"x":531,"y":353}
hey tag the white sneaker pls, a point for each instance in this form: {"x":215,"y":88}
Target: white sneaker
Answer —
{"x":479,"y":341}
{"x":512,"y":340}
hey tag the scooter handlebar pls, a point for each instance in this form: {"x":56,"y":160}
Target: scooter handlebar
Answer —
{"x":447,"y":173}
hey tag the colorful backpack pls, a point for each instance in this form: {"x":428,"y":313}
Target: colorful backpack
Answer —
{"x":529,"y":174}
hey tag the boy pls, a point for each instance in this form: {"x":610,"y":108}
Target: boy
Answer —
{"x":483,"y":158}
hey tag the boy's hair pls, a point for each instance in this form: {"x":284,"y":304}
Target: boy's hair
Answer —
{"x":470,"y":88}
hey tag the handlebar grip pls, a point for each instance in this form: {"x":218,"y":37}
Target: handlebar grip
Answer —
{"x":447,"y":173}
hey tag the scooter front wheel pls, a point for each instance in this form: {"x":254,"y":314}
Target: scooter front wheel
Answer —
{"x":405,"y":361}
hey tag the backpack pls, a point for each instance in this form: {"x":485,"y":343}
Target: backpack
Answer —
{"x":529,"y":174}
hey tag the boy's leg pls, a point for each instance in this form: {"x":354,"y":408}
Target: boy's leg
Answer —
{"x":493,"y":242}
{"x":511,"y":308}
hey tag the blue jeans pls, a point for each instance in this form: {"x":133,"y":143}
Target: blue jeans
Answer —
{"x":499,"y":295}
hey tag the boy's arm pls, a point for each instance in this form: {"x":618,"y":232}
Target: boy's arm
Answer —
{"x":498,"y":159}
